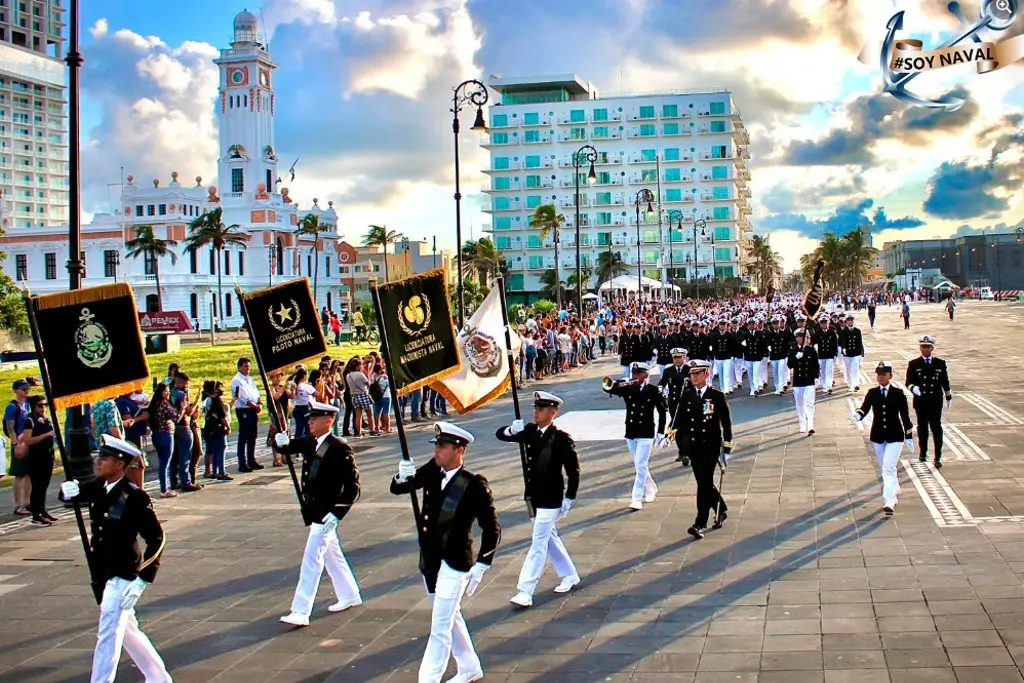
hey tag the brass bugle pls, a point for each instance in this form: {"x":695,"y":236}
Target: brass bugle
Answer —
{"x":608,"y":383}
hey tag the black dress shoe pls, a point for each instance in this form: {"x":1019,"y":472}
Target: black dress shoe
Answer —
{"x":922,"y":458}
{"x":685,"y":461}
{"x":696,"y":531}
{"x":244,"y":470}
{"x":888,"y":511}
{"x":257,"y":466}
{"x":720,"y":520}
{"x":938,"y":463}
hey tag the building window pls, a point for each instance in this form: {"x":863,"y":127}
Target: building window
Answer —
{"x":193,"y":306}
{"x":227,"y":305}
{"x":162,"y":210}
{"x":648,"y":130}
{"x":533,"y":161}
{"x":138,"y":210}
{"x":720,"y":172}
{"x":110,"y":259}
{"x":241,"y":263}
{"x":213,"y":262}
{"x":600,"y":132}
{"x":673,"y":174}
{"x":270,"y":181}
{"x":503,"y":183}
{"x":720,"y":192}
{"x":327,"y":267}
{"x":309,"y":265}
{"x":21,"y":262}
{"x":717,"y":108}
{"x":674,"y":195}
{"x":280,"y":256}
{"x":529,"y":136}
{"x":577,"y":116}
{"x":502,"y":138}
{"x":237,"y":180}
{"x":501,"y":163}
{"x":670,"y":111}
{"x":670,"y":129}
{"x":499,"y":120}
{"x":148,"y":264}
{"x":719,"y":152}
{"x":531,"y":119}
{"x":578,"y":133}
{"x":193,"y":262}
{"x":51,"y":265}
{"x":648,"y":154}
{"x":718,"y":126}
{"x":227,"y":262}
{"x":647,"y":112}
{"x":723,"y":234}
{"x":721,"y":213}
{"x":150,"y":209}
{"x":600,"y":115}
{"x":152,"y":303}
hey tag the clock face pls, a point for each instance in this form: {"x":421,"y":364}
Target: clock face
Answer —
{"x":237,"y":77}
{"x":264,"y":79}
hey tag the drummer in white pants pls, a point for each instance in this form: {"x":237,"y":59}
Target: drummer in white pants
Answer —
{"x":891,"y":429}
{"x":549,"y":452}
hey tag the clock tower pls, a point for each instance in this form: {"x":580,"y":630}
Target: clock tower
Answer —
{"x":245,"y":110}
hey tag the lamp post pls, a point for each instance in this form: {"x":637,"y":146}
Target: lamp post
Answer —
{"x":714,"y":265}
{"x":434,"y":250}
{"x":587,"y":154}
{"x":270,"y":261}
{"x":699,"y":223}
{"x":642,"y":196}
{"x":677,"y":215}
{"x":995,"y":245}
{"x":475,"y":93}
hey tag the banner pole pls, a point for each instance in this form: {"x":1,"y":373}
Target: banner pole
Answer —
{"x":277,"y":421}
{"x":385,"y":350}
{"x":97,"y":583}
{"x":500,"y":284}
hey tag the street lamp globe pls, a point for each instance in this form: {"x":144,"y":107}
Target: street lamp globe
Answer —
{"x":592,"y":176}
{"x":479,"y":125}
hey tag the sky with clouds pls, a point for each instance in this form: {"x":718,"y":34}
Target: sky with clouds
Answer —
{"x":364,"y":89}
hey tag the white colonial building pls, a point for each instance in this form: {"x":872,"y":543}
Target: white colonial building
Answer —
{"x":251,"y":194}
{"x":690,"y":149}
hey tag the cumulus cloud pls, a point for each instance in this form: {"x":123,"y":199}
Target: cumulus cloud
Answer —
{"x":842,"y":220}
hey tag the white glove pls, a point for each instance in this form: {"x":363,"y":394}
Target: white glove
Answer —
{"x":909,"y":443}
{"x":70,"y":489}
{"x":406,"y":470}
{"x":330,"y":523}
{"x":856,"y":417}
{"x":799,"y":355}
{"x":131,"y":593}
{"x":281,"y":439}
{"x":949,"y":400}
{"x":476,"y":575}
{"x":566,"y":506}
{"x":665,"y":391}
{"x":842,"y":351}
{"x":916,"y":391}
{"x":723,"y":459}
{"x":516,"y":427}
{"x":743,"y":343}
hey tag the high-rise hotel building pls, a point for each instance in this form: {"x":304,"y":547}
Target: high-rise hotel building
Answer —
{"x":33,"y":116}
{"x":688,"y":148}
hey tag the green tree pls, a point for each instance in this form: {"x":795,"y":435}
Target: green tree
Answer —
{"x":847,"y":259}
{"x":12,"y":306}
{"x":147,"y":245}
{"x":380,"y":236}
{"x":609,"y":267}
{"x":570,"y":282}
{"x":551,"y":288}
{"x":765,"y":264}
{"x":310,"y":226}
{"x":209,"y":229}
{"x":547,"y":219}
{"x":481,"y":258}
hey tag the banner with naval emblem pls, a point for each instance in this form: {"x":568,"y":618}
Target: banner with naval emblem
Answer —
{"x":284,"y":325}
{"x":418,"y":326}
{"x":485,"y":373}
{"x":90,"y":343}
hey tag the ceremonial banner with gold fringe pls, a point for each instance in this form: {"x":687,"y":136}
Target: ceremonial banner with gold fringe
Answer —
{"x":284,"y":325}
{"x":485,"y":371}
{"x":816,"y":294}
{"x":92,"y":344}
{"x":417,"y":318}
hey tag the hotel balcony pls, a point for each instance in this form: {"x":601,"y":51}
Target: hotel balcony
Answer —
{"x":635,"y":133}
{"x":683,"y":178}
{"x":489,"y":207}
{"x":639,"y":159}
{"x":502,"y":142}
{"x":711,"y":197}
{"x":570,"y":137}
{"x":612,"y":135}
{"x":512,"y":166}
{"x":541,"y":121}
{"x":512,"y":186}
{"x":539,"y":140}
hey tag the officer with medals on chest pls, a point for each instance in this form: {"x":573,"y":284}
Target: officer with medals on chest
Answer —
{"x":703,"y":430}
{"x":928,"y":380}
{"x":891,"y":430}
{"x":453,"y":498}
{"x":330,"y":486}
{"x":642,"y":400}
{"x":674,"y":381}
{"x":120,"y":513}
{"x":549,"y":453}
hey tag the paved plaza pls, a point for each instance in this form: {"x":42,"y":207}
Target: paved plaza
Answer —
{"x":806,"y":583}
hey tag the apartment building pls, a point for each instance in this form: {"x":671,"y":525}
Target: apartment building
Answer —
{"x":688,"y":148}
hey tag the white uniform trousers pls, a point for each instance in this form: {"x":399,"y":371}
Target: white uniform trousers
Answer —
{"x":841,"y":362}
{"x":724,"y":372}
{"x":804,"y":398}
{"x":762,"y":369}
{"x":753,"y":374}
{"x":888,"y":455}
{"x":826,"y":373}
{"x":545,"y":543}
{"x":323,"y":550}
{"x":643,"y":483}
{"x":449,"y":635}
{"x":853,"y":370}
{"x":738,"y":367}
{"x":780,"y":370}
{"x":120,"y":627}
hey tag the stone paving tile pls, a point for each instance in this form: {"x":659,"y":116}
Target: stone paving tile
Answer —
{"x":805,"y":584}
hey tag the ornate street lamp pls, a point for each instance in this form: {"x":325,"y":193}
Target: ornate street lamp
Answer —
{"x":585,"y":154}
{"x":475,"y":93}
{"x":699,"y":223}
{"x":642,"y":196}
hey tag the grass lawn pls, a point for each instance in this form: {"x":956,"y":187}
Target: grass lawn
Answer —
{"x":217,"y":362}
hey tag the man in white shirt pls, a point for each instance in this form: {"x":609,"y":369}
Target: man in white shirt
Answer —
{"x":245,"y":396}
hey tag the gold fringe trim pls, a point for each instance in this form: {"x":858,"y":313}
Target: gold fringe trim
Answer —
{"x":76,"y":297}
{"x":113,"y":391}
{"x":437,"y":376}
{"x":289,"y":368}
{"x":256,"y":294}
{"x":163,"y":542}
{"x":479,"y":403}
{"x":420,"y":276}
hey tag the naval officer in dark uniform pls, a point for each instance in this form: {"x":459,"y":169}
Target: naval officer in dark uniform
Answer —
{"x":453,"y":498}
{"x":120,"y":513}
{"x":549,"y":452}
{"x":642,"y":400}
{"x":928,"y":379}
{"x":891,"y":429}
{"x":330,"y":486}
{"x":703,"y":430}
{"x":674,"y":381}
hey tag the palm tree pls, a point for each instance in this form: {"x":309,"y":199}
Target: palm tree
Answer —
{"x":209,"y":229}
{"x":847,"y":259}
{"x":379,"y":235}
{"x":147,"y":244}
{"x":547,"y":219}
{"x":570,"y":282}
{"x":609,"y":267}
{"x":310,"y":226}
{"x":550,"y":287}
{"x":481,"y":258}
{"x":857,"y":256}
{"x":764,"y":266}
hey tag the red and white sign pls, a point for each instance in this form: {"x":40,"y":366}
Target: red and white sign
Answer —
{"x":165,"y":321}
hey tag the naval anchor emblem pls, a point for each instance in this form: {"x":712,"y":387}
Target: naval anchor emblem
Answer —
{"x":92,"y":341}
{"x":903,"y":60}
